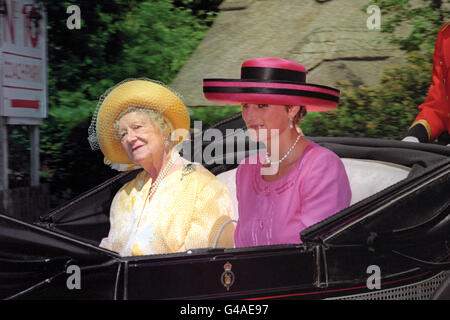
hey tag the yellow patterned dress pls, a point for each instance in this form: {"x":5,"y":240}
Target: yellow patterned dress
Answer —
{"x":190,"y":209}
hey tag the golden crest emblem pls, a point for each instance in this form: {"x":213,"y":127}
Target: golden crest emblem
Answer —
{"x":227,"y":277}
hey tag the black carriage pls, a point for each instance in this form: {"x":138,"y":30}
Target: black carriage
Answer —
{"x":391,"y":243}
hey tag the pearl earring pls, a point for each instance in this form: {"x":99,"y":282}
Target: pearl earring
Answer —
{"x":291,"y":123}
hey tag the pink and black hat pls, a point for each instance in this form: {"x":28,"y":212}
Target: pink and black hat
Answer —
{"x":272,"y":81}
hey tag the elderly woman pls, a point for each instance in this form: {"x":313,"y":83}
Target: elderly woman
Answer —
{"x":295,"y":183}
{"x":172,"y":205}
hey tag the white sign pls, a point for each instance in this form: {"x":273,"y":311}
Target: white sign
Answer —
{"x":23,"y":57}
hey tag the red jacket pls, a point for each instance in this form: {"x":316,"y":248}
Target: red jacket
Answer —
{"x":435,"y":112}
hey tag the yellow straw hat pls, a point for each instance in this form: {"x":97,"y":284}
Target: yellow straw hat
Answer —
{"x":141,"y":93}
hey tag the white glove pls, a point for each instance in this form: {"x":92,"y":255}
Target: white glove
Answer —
{"x":410,"y":139}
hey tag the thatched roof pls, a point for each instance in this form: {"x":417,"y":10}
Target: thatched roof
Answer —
{"x":330,"y":38}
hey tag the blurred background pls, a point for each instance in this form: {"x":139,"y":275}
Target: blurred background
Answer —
{"x":383,"y":74}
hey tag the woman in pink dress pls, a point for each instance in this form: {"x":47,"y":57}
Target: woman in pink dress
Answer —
{"x":295,"y":183}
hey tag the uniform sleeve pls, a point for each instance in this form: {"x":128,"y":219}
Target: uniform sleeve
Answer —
{"x":432,"y":115}
{"x":211,"y":221}
{"x":325,"y":189}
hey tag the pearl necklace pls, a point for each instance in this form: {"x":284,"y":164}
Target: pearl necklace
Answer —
{"x":173,"y":158}
{"x":285,"y":156}
{"x":153,"y":188}
{"x":161,"y":176}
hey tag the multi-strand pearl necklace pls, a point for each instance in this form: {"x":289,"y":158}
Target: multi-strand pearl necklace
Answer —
{"x":161,"y":176}
{"x":285,"y":156}
{"x":154,"y":187}
{"x":173,"y":158}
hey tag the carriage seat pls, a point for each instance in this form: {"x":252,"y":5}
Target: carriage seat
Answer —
{"x":366,"y":178}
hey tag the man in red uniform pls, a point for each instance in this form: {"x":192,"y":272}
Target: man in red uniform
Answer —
{"x":433,"y":120}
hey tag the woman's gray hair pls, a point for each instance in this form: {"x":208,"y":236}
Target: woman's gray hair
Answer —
{"x":154,"y":116}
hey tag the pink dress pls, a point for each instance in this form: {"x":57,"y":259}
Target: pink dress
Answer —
{"x":275,"y":212}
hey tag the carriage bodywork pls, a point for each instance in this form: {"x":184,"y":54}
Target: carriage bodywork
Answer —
{"x":393,"y":244}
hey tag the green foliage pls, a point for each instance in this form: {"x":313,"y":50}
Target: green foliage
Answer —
{"x":206,"y":10}
{"x":385,"y":111}
{"x":161,"y":39}
{"x":422,"y":18}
